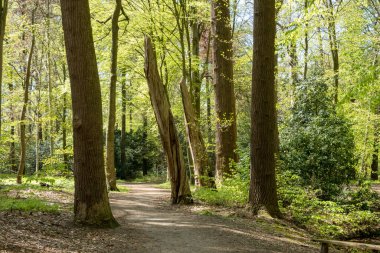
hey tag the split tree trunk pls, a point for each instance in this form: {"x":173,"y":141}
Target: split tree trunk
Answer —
{"x":110,"y":166}
{"x":91,"y":203}
{"x":21,"y":166}
{"x":264,"y":145}
{"x":198,"y":150}
{"x":226,"y":132}
{"x":180,"y":189}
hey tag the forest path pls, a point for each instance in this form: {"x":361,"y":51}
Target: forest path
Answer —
{"x":166,"y":228}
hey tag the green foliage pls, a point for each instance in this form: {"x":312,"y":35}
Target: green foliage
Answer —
{"x":341,"y":219}
{"x":27,"y":205}
{"x":316,"y":142}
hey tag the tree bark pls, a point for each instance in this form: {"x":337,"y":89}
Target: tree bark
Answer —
{"x":64,"y":116}
{"x":195,"y":75}
{"x":198,"y":150}
{"x":180,"y":189}
{"x":376,"y":143}
{"x":263,"y":192}
{"x":21,"y":166}
{"x":110,"y":166}
{"x":226,"y":132}
{"x":3,"y":19}
{"x":144,"y":148}
{"x":12,"y":151}
{"x":333,"y":47}
{"x":123,"y":140}
{"x":91,"y":203}
{"x":306,"y":53}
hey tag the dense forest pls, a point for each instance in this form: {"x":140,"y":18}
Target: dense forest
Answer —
{"x":267,"y":108}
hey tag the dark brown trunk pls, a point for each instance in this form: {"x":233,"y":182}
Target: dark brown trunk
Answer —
{"x":144,"y":142}
{"x":21,"y":166}
{"x":3,"y":19}
{"x":91,"y":203}
{"x":195,"y":75}
{"x":180,"y":189}
{"x":224,"y":88}
{"x":263,"y":190}
{"x":110,"y":154}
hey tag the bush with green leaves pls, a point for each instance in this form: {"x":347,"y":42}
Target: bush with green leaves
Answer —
{"x":316,"y":142}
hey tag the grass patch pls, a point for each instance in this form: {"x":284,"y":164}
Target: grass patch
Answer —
{"x":151,"y":178}
{"x":27,"y":205}
{"x":122,"y":188}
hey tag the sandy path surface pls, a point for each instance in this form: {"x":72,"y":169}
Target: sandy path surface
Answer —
{"x":166,"y":228}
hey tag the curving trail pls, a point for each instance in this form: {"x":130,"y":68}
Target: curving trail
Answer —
{"x":161,"y":227}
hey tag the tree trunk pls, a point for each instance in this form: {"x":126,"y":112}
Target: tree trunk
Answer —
{"x":306,"y":53}
{"x":123,"y":140}
{"x":64,"y":116}
{"x":195,"y":75}
{"x":91,"y":203}
{"x":376,"y":143}
{"x":50,"y":95}
{"x":333,"y":47}
{"x":21,"y":166}
{"x":3,"y":19}
{"x":180,"y":189}
{"x":12,"y":151}
{"x":224,"y":88}
{"x":110,"y":166}
{"x":144,"y":148}
{"x":197,"y":146}
{"x":263,"y":192}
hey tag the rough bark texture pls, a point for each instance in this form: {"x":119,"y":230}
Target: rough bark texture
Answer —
{"x":376,"y":143}
{"x":110,"y":155}
{"x":180,"y":189}
{"x":224,"y":88}
{"x":64,"y":116}
{"x":263,"y":135}
{"x":91,"y":204}
{"x":3,"y":19}
{"x":21,"y":166}
{"x":198,"y":150}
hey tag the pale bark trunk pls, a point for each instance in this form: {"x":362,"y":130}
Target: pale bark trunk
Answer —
{"x":263,"y":192}
{"x":226,"y":131}
{"x":180,"y":189}
{"x":91,"y":203}
{"x":110,"y":155}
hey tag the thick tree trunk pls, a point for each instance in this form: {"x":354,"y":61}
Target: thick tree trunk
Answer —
{"x":264,"y":143}
{"x":224,"y":88}
{"x":123,"y":140}
{"x":21,"y":166}
{"x":376,"y":144}
{"x":91,"y":203}
{"x":3,"y":19}
{"x":110,"y":166}
{"x":180,"y":189}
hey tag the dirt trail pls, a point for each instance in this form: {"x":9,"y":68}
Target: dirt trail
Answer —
{"x":165,"y":228}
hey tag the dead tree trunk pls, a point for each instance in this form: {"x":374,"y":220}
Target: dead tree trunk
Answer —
{"x":180,"y":189}
{"x":263,"y":191}
{"x":91,"y":203}
{"x":110,"y":155}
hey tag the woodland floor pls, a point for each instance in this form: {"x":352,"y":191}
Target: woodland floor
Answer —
{"x":150,"y":224}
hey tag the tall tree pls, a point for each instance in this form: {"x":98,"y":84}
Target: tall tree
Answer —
{"x":110,"y":166}
{"x":3,"y":19}
{"x":21,"y":166}
{"x":123,"y":139}
{"x":263,"y":192}
{"x":180,"y":188}
{"x":91,"y":203}
{"x":376,"y":144}
{"x":226,"y":132}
